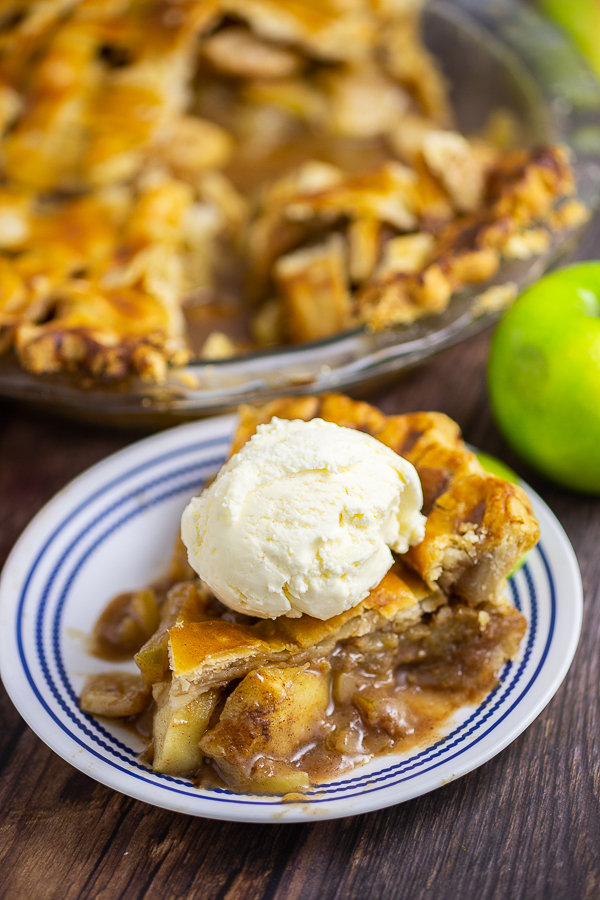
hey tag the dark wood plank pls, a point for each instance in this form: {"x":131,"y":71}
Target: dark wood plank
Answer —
{"x":526,"y":825}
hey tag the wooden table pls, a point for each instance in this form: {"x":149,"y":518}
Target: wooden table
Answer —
{"x":525,"y":825}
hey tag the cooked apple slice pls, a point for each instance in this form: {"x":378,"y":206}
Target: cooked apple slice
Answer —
{"x":270,"y":714}
{"x":179,"y":723}
{"x":186,"y":602}
{"x":126,"y":623}
{"x":116,"y":694}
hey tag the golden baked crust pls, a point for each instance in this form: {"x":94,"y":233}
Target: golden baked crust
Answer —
{"x":94,"y":284}
{"x":120,"y":112}
{"x":411,"y":235}
{"x":478,"y":526}
{"x":520,"y":191}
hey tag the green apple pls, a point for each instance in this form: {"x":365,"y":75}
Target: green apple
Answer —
{"x":495,"y":466}
{"x":544,"y":376}
{"x":580,"y":19}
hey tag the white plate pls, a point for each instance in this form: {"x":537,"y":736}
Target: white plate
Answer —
{"x":111,"y":530}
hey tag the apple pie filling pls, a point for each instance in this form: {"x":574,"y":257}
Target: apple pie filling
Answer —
{"x":309,"y":711}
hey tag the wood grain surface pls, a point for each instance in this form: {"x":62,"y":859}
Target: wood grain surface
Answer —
{"x":525,"y":825}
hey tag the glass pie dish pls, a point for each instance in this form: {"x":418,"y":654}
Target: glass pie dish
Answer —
{"x":496,"y":54}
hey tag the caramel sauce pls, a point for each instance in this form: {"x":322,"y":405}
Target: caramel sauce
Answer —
{"x":427,"y":713}
{"x":417,"y":716}
{"x":227,"y":313}
{"x":354,"y":156}
{"x":345,"y":741}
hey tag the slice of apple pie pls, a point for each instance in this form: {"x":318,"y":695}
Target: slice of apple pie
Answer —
{"x":277,"y":705}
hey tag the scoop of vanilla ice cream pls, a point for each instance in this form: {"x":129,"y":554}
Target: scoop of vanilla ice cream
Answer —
{"x":302,"y":520}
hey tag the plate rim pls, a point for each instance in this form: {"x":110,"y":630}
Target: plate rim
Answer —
{"x":288,"y":812}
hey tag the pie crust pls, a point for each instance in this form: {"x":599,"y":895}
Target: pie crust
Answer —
{"x":253,"y":172}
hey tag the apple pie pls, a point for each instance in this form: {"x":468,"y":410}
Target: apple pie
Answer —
{"x":278,"y":705}
{"x":249,"y":172}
